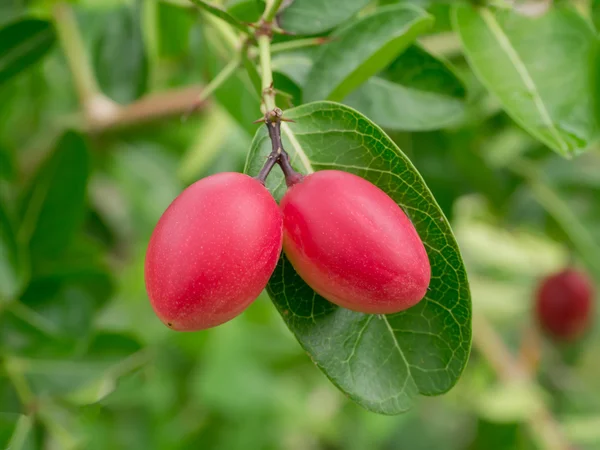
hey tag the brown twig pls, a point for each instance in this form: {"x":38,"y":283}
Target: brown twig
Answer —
{"x":150,"y":108}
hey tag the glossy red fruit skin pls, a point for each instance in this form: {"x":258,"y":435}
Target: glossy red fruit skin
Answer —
{"x":353,"y":244}
{"x":212,"y":251}
{"x":564,"y":304}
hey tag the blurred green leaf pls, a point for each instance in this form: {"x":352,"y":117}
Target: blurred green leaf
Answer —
{"x":16,"y":432}
{"x":247,"y":11}
{"x":120,"y":58}
{"x":173,"y":28}
{"x":238,"y":94}
{"x":11,"y":9}
{"x":289,"y":94}
{"x":361,"y":49}
{"x":13,"y":267}
{"x":221,"y":14}
{"x":316,"y":16}
{"x":527,"y":63}
{"x":381,"y":362}
{"x":501,"y":436}
{"x":558,"y":207}
{"x":23,"y":43}
{"x":595,"y":10}
{"x":55,"y":312}
{"x":54,"y":205}
{"x":510,"y":403}
{"x":211,"y":136}
{"x":7,"y":165}
{"x":416,"y":92}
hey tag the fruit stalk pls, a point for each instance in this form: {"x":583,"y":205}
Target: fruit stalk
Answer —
{"x":278,"y":155}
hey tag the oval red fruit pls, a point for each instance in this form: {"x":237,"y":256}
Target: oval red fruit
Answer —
{"x":213,"y":251}
{"x":564,"y":304}
{"x":353,"y":244}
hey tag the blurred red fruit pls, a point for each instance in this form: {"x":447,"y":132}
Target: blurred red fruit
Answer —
{"x":564,"y":304}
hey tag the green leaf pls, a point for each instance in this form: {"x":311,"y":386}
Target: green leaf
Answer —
{"x":54,"y":206}
{"x":381,"y":362}
{"x":22,"y":44}
{"x":362,"y":48}
{"x":120,"y":59}
{"x":13,"y":268}
{"x":317,"y":16}
{"x":221,"y":14}
{"x":416,"y":92}
{"x":539,"y":68}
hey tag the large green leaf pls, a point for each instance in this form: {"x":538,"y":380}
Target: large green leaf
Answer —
{"x":381,"y":362}
{"x":362,"y":48}
{"x":23,"y":43}
{"x":54,"y":206}
{"x":316,"y":16}
{"x":539,"y":68}
{"x":120,"y":58}
{"x":416,"y":92}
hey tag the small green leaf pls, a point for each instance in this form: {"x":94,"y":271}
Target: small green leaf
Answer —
{"x":221,"y":14}
{"x":362,"y":48}
{"x":120,"y":59}
{"x":416,"y":92}
{"x":381,"y":362}
{"x":539,"y":68}
{"x":317,"y":16}
{"x":13,"y":270}
{"x":22,"y":44}
{"x":54,"y":206}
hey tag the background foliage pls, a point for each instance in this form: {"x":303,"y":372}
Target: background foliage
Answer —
{"x":486,"y":103}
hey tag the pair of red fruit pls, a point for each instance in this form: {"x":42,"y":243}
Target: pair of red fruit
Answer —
{"x":216,"y":246}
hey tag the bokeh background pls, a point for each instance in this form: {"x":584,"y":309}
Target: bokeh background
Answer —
{"x":85,"y":364}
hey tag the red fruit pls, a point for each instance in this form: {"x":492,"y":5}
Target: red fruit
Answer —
{"x":353,"y":244}
{"x":213,"y":251}
{"x":564,"y":304}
